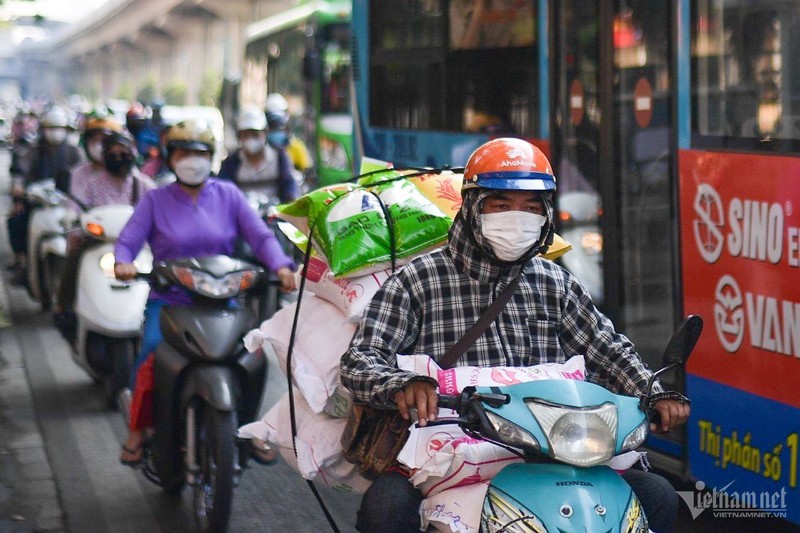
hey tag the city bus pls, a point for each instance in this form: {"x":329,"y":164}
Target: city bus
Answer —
{"x":674,"y":130}
{"x":304,"y":54}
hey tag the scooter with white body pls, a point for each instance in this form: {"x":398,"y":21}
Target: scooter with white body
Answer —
{"x":109,"y":313}
{"x":47,"y":244}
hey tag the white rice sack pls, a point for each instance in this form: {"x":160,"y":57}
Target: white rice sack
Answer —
{"x":323,"y":336}
{"x":425,"y":442}
{"x":463,"y":461}
{"x":455,"y":510}
{"x":624,"y":461}
{"x":454,"y":380}
{"x":318,"y":435}
{"x":340,"y":475}
{"x":350,"y":294}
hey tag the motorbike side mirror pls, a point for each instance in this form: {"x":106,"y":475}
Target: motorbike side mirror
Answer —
{"x":683,"y":341}
{"x":678,"y":349}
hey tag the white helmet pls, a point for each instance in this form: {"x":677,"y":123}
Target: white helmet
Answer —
{"x":251,"y":118}
{"x":55,"y":117}
{"x":276,"y":103}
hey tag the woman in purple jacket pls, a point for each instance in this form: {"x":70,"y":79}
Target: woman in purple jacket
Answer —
{"x":192,"y":217}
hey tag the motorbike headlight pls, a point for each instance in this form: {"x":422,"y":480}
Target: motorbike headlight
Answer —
{"x":512,"y":434}
{"x":634,"y":520}
{"x":592,"y":243}
{"x":332,"y":154}
{"x":107,"y":264}
{"x":581,"y":437}
{"x":499,"y":514}
{"x":207,"y":285}
{"x":635,"y":438}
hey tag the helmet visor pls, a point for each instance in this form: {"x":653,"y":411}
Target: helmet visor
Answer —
{"x":514,"y":181}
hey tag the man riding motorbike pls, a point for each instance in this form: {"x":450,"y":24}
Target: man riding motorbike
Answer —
{"x":505,"y":222}
{"x":279,"y":134}
{"x":193,"y":217}
{"x":257,"y":165}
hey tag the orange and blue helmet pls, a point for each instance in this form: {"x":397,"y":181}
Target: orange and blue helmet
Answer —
{"x":509,"y":164}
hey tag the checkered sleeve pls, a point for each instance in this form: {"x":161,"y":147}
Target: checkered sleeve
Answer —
{"x":611,"y":358}
{"x":369,"y":367}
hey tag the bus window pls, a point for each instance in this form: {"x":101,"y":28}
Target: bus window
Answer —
{"x":335,"y":53}
{"x":745,"y":77}
{"x":470,"y":67}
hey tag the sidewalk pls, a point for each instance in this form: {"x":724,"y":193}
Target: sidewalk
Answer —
{"x":29,"y":500}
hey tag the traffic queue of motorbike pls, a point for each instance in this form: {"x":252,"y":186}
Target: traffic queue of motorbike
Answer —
{"x":73,"y":217}
{"x":557,"y":437}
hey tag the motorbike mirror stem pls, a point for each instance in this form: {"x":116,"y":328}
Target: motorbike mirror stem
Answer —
{"x":678,"y":350}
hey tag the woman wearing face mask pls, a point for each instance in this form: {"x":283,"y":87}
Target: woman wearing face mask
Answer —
{"x":258,"y":165}
{"x":193,"y":217}
{"x":109,"y":177}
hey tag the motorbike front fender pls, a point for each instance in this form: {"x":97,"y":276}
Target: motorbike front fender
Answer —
{"x":218,"y":385}
{"x":54,"y":245}
{"x":597,"y":498}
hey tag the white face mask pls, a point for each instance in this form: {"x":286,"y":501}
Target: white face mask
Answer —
{"x":512,"y":233}
{"x":253,"y":145}
{"x":55,"y":135}
{"x":95,"y":150}
{"x":193,"y":170}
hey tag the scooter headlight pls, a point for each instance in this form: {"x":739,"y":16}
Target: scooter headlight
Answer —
{"x":210,"y":286}
{"x":635,"y":438}
{"x":107,"y":261}
{"x":634,"y":521}
{"x":512,"y":434}
{"x":500,"y":514}
{"x":107,"y":264}
{"x":581,"y":437}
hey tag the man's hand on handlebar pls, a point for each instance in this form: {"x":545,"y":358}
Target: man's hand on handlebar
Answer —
{"x":125,"y":271}
{"x":672,"y":414}
{"x":420,"y":395}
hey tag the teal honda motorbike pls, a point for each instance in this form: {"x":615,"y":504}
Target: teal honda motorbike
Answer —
{"x":565,"y":430}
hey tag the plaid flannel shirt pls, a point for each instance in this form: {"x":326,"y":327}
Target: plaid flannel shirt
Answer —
{"x":430,"y":303}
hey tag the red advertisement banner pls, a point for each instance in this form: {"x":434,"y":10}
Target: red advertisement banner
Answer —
{"x":740,"y":254}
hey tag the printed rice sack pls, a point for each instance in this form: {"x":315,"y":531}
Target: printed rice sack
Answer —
{"x":356,"y":237}
{"x":444,"y":190}
{"x":453,"y":380}
{"x":455,"y":510}
{"x":323,"y":335}
{"x":351,"y":294}
{"x":306,"y":210}
{"x":463,"y":461}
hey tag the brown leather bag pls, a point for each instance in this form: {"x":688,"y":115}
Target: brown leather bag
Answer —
{"x":372,"y":438}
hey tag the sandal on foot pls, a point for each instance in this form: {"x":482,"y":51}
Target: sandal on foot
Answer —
{"x":133,"y":463}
